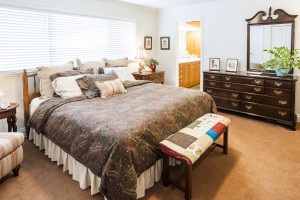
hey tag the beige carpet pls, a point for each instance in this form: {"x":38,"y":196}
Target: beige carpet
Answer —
{"x":263,"y":163}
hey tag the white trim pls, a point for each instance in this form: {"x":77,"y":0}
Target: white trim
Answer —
{"x":298,"y":117}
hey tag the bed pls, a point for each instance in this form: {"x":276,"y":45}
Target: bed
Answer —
{"x":111,"y":144}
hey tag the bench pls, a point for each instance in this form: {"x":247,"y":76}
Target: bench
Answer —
{"x":192,"y":145}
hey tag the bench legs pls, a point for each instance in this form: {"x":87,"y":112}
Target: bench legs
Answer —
{"x":188,"y":181}
{"x":16,"y":171}
{"x":225,"y":141}
{"x":166,"y":180}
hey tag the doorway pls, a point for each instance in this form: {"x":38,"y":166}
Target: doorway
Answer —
{"x":189,"y":54}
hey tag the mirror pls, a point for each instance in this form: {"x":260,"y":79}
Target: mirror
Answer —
{"x":266,"y":33}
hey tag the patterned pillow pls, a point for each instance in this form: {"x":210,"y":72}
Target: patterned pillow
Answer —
{"x":71,"y":73}
{"x":87,"y":83}
{"x":110,"y":88}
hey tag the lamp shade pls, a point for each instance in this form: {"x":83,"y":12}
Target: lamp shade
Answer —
{"x":1,"y":93}
{"x":141,"y":54}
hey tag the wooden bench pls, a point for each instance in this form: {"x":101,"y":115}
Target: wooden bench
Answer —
{"x":191,"y":145}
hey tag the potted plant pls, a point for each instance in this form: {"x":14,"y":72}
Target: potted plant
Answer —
{"x":283,"y":60}
{"x":151,"y":63}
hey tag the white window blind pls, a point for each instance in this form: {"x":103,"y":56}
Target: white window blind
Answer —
{"x":29,"y":39}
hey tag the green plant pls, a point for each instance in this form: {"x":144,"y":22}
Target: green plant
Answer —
{"x":283,"y":58}
{"x":152,"y":62}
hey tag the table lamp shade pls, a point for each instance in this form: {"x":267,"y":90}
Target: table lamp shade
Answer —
{"x":141,"y":54}
{"x":1,"y":93}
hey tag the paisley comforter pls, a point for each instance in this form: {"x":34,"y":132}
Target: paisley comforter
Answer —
{"x":117,"y":138}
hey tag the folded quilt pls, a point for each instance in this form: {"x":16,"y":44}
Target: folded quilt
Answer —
{"x":192,"y":141}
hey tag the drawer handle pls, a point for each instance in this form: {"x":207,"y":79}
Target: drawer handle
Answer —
{"x":227,"y":78}
{"x":257,"y":81}
{"x":227,"y":85}
{"x":282,"y":113}
{"x":282,"y":102}
{"x":212,"y":83}
{"x":248,"y":97}
{"x":278,"y":92}
{"x":209,"y":91}
{"x":235,"y":104}
{"x":249,"y":107}
{"x":211,"y":76}
{"x":257,"y":89}
{"x":235,"y":94}
{"x":278,"y":84}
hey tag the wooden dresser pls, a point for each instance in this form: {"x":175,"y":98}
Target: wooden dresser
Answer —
{"x":189,"y":74}
{"x":156,"y":77}
{"x":266,"y":96}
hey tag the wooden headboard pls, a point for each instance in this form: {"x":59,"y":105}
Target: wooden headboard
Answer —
{"x":27,"y":97}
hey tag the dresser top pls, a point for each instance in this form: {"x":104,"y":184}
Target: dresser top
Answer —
{"x":255,"y":75}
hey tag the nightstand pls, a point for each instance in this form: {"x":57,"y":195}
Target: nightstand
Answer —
{"x":156,"y":77}
{"x":10,"y":114}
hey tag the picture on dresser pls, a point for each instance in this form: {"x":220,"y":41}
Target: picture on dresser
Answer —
{"x":231,"y":65}
{"x":214,"y":64}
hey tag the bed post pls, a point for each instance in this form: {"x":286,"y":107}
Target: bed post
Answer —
{"x":26,"y":100}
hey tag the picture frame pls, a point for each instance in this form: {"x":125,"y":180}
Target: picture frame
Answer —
{"x":214,"y":64}
{"x":148,"y":43}
{"x":164,"y":43}
{"x":231,"y":65}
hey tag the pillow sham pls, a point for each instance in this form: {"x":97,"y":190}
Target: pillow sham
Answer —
{"x":67,"y":87}
{"x":110,"y":88}
{"x":44,"y":74}
{"x":87,"y":83}
{"x":71,"y":73}
{"x":96,"y":65}
{"x":123,"y":73}
{"x":116,"y":62}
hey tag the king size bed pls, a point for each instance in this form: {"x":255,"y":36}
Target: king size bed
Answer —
{"x":112,"y":144}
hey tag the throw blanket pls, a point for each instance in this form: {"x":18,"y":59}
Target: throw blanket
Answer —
{"x":117,"y":138}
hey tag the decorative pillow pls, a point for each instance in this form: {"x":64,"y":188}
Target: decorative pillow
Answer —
{"x":87,"y":83}
{"x":110,"y":88}
{"x":116,"y":62}
{"x":71,"y":73}
{"x":67,"y":87}
{"x":96,"y":65}
{"x":124,"y":73}
{"x":44,"y":74}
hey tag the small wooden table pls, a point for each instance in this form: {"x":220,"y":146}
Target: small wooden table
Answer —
{"x":156,"y":77}
{"x":10,"y":114}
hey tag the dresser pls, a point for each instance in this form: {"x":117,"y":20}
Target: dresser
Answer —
{"x":262,"y":95}
{"x":156,"y":77}
{"x":189,"y":74}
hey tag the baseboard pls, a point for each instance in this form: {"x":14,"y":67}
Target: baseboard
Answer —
{"x":298,"y":117}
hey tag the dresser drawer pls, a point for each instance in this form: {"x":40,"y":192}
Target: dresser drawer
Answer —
{"x":223,"y":93}
{"x":213,"y":77}
{"x":279,"y":84}
{"x":159,"y":80}
{"x":251,"y":81}
{"x":265,"y":110}
{"x":154,"y":76}
{"x":279,"y":92}
{"x":263,"y":99}
{"x":227,"y":103}
{"x":216,"y":84}
{"x":243,"y":88}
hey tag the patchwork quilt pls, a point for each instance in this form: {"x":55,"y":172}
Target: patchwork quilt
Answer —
{"x":191,"y":142}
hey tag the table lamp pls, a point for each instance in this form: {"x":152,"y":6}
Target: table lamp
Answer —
{"x":1,"y":94}
{"x":141,"y":55}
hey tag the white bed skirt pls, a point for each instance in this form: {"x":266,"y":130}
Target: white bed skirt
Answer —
{"x":83,"y":175}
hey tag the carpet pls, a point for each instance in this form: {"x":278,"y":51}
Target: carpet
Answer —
{"x":263,"y":163}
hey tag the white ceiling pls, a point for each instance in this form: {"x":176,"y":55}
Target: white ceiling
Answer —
{"x":160,"y":4}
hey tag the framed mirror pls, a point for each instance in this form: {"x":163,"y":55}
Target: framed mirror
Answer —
{"x":267,"y":32}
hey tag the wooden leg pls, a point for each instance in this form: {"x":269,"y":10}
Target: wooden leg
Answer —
{"x":16,"y":170}
{"x":188,"y":181}
{"x":9,"y":123}
{"x":14,"y":123}
{"x":225,"y":141}
{"x":166,"y":181}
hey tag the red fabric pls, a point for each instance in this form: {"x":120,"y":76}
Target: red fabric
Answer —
{"x":174,"y":154}
{"x":219,"y":128}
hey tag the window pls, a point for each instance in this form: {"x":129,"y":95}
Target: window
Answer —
{"x":29,"y":39}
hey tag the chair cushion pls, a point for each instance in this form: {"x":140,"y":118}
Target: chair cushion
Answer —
{"x":10,"y":142}
{"x":192,"y":141}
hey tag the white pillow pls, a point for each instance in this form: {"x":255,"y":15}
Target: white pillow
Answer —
{"x":67,"y":87}
{"x":123,"y":72}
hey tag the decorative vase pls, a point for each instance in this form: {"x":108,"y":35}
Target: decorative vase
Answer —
{"x":152,"y":67}
{"x":283,"y":72}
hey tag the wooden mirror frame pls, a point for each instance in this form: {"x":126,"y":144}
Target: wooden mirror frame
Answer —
{"x":257,"y":19}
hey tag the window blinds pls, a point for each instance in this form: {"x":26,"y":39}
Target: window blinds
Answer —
{"x":29,"y":39}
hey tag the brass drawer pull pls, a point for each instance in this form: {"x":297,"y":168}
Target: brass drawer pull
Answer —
{"x":257,"y":89}
{"x":227,"y":85}
{"x":227,"y":78}
{"x":249,"y":107}
{"x":248,"y":97}
{"x":257,"y":81}
{"x":278,"y":92}
{"x":209,"y":91}
{"x":278,"y":84}
{"x":235,"y":94}
{"x":282,"y":113}
{"x":282,"y":102}
{"x":212,"y":83}
{"x":211,"y":76}
{"x":235,"y":104}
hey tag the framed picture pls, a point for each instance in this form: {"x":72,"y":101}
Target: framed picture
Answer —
{"x":231,"y":65}
{"x":214,"y":64}
{"x":165,"y":43}
{"x":148,"y":43}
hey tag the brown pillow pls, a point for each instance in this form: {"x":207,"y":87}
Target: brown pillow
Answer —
{"x":90,"y":64}
{"x":87,"y":83}
{"x":116,"y":62}
{"x":71,"y":73}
